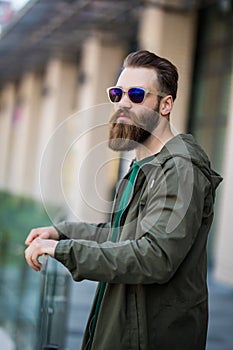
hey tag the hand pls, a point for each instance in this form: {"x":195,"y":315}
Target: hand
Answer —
{"x":42,"y":232}
{"x":37,"y":248}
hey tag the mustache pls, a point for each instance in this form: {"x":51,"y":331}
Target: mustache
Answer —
{"x":128,"y":114}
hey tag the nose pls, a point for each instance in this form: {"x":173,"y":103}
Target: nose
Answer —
{"x":125,"y":101}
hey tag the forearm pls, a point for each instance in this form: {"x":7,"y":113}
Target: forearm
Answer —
{"x":82,"y":230}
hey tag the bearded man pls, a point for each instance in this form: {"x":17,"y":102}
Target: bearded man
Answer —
{"x":150,"y":260}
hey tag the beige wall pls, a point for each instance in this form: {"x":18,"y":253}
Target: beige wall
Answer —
{"x":21,"y":149}
{"x":57,"y":104}
{"x":7,"y":101}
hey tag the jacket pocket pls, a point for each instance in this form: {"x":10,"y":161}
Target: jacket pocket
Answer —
{"x":133,"y":321}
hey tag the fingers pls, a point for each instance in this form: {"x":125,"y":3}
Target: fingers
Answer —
{"x":42,"y":232}
{"x":32,"y":254}
{"x":32,"y":235}
{"x":37,"y":248}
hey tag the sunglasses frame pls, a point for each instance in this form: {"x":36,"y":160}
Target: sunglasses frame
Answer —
{"x":126,"y":91}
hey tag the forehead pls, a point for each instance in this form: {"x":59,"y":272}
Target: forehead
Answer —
{"x":137,"y":76}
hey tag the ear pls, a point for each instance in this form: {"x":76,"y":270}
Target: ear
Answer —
{"x":166,"y":105}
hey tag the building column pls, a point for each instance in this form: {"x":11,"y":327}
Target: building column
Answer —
{"x":224,"y":239}
{"x":96,"y":165}
{"x":23,"y":136}
{"x":171,"y":34}
{"x":57,"y":104}
{"x":7,"y":100}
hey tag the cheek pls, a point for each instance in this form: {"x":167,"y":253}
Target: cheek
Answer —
{"x":145,"y":109}
{"x":151,"y":103}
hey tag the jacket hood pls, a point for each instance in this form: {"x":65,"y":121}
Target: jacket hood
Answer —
{"x":184,"y":145}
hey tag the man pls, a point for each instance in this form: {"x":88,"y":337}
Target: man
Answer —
{"x":150,"y":259}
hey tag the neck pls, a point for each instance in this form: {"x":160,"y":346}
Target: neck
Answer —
{"x":156,"y":141}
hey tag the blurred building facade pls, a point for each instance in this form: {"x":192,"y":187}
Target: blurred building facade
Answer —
{"x":6,"y":13}
{"x":56,"y":60}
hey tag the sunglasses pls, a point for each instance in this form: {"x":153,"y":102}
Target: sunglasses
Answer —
{"x":135,"y":94}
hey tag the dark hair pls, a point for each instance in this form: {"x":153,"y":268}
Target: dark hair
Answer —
{"x":166,"y":71}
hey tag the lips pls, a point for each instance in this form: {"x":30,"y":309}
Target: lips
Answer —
{"x":124,"y":119}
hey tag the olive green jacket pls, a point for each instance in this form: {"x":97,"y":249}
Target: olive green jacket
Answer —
{"x":156,"y":295}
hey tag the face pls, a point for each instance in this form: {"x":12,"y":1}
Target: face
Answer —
{"x":132,"y":123}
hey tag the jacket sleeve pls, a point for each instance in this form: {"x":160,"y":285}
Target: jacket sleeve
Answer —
{"x":82,"y":230}
{"x":169,"y":225}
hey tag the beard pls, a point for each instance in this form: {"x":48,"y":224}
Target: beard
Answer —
{"x":127,"y":135}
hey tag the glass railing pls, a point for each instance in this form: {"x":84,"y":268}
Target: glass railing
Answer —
{"x":38,"y":311}
{"x":54,"y":302}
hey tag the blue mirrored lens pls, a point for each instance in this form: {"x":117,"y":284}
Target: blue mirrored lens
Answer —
{"x":136,"y":95}
{"x":115,"y":94}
